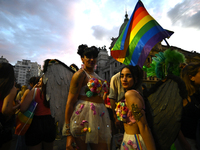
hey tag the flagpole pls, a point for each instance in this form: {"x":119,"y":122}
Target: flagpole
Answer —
{"x":167,"y":43}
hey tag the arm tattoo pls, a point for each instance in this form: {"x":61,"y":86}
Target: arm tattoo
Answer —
{"x":74,"y":87}
{"x":136,"y":112}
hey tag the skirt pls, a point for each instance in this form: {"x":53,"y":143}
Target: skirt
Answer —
{"x":90,"y":122}
{"x":133,"y":141}
{"x":42,"y":129}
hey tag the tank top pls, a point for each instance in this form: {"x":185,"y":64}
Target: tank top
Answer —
{"x":41,"y":109}
{"x":91,"y":83}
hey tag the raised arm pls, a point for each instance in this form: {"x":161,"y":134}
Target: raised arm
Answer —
{"x":135,"y":103}
{"x":8,"y":109}
{"x":75,"y":87}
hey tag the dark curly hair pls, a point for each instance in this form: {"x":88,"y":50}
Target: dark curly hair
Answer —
{"x":7,"y":78}
{"x":84,"y":50}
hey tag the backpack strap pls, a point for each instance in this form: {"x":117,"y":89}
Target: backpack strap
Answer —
{"x":35,"y":91}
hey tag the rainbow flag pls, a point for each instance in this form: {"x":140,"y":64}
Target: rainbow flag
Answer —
{"x":140,"y":35}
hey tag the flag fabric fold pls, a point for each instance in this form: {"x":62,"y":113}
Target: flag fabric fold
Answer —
{"x":140,"y":35}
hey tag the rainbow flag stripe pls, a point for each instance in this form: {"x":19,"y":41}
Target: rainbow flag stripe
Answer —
{"x":137,"y":139}
{"x":140,"y":35}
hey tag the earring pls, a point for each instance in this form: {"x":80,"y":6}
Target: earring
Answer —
{"x":95,"y":67}
{"x":82,"y":66}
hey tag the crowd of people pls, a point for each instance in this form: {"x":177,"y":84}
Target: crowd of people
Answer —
{"x":96,"y":110}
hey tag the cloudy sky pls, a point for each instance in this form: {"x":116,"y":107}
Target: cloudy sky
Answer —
{"x":46,"y":29}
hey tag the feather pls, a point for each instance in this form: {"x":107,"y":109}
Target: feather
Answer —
{"x":59,"y":77}
{"x":165,"y":63}
{"x":163,"y":111}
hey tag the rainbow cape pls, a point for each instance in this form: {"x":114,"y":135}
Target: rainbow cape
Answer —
{"x":140,"y":35}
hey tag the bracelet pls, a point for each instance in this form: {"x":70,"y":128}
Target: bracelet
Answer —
{"x":67,"y":126}
{"x":68,"y":133}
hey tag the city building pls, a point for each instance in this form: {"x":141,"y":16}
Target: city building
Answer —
{"x":26,"y":69}
{"x":107,"y":66}
{"x":3,"y":60}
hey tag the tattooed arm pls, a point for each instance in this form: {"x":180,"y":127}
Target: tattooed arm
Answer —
{"x":8,"y":109}
{"x":135,"y":103}
{"x":75,"y":87}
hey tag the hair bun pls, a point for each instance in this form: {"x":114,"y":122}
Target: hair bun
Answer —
{"x":81,"y":49}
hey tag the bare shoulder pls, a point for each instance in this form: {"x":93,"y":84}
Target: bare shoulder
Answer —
{"x":13,"y":91}
{"x":133,"y":97}
{"x":78,"y":76}
{"x":77,"y":81}
{"x":132,"y":93}
{"x":26,"y":92}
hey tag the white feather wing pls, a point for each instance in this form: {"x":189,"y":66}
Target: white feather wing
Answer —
{"x":57,"y":88}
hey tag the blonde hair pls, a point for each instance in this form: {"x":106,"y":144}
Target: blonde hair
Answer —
{"x":189,"y":71}
{"x":23,"y":89}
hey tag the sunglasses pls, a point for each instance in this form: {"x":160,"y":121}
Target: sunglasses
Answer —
{"x":89,"y":55}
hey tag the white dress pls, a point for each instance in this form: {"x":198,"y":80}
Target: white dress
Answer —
{"x":90,"y":121}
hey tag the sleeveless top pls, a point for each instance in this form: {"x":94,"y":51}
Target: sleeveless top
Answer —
{"x":124,"y":114}
{"x":94,"y":86}
{"x":41,"y":109}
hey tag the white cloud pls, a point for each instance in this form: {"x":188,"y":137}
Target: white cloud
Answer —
{"x":41,"y":29}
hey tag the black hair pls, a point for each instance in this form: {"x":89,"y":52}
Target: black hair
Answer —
{"x":34,"y":80}
{"x":74,"y":67}
{"x":7,"y":78}
{"x":137,"y":75}
{"x":84,"y":50}
{"x":17,"y":85}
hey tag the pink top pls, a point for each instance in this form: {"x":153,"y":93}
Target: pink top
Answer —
{"x":41,"y":109}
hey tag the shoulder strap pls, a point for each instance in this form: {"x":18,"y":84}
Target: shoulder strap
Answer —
{"x":35,"y":91}
{"x":87,"y":74}
{"x":98,"y":76}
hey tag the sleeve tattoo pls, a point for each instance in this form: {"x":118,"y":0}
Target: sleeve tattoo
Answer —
{"x":136,"y":112}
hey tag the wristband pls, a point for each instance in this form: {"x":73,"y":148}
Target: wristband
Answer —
{"x":67,"y":126}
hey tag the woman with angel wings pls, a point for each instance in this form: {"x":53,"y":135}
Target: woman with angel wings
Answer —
{"x":86,"y":117}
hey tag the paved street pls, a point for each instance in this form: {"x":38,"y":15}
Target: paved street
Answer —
{"x":58,"y":144}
